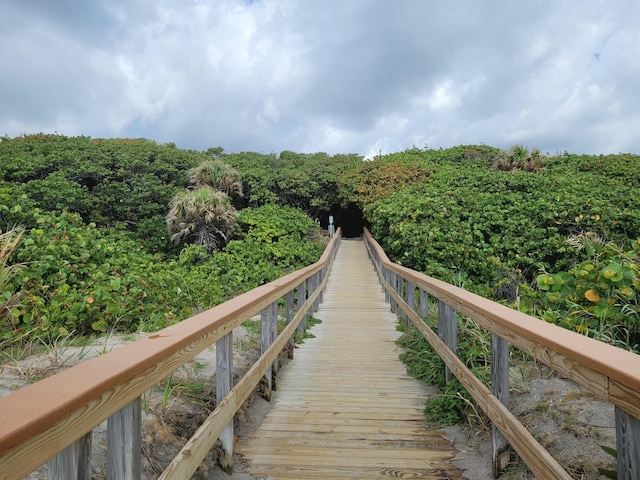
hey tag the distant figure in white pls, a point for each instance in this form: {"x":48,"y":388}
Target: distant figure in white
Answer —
{"x":331,"y":227}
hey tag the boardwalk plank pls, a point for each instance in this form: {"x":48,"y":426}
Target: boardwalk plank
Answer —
{"x":345,"y":408}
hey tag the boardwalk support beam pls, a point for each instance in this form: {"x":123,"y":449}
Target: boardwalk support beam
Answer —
{"x":224,"y":384}
{"x":627,"y":444}
{"x":448,"y":331}
{"x":124,"y":442}
{"x":301,"y":292}
{"x":289,"y":317}
{"x":501,"y":450}
{"x":73,"y":463}
{"x":266,"y":385}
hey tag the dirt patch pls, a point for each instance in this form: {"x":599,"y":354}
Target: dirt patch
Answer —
{"x":565,"y":418}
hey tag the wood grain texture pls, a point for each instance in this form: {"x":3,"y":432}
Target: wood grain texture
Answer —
{"x":345,"y":407}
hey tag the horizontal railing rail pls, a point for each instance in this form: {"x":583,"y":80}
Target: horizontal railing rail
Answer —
{"x":610,"y":373}
{"x":52,"y":420}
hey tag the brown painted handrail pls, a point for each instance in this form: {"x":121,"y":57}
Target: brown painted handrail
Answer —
{"x":42,"y":419}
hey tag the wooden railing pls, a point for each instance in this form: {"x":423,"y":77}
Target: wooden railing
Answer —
{"x":52,"y":420}
{"x":609,"y":372}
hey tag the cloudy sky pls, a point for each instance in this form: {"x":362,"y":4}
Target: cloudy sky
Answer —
{"x":339,"y":76}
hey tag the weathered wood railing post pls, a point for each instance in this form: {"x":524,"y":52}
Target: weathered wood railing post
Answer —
{"x":386,"y":276}
{"x":410,"y":295}
{"x":274,"y":336}
{"x":501,"y":451}
{"x":301,"y":293}
{"x":447,"y":330}
{"x":73,"y":463}
{"x":224,"y":384}
{"x":317,"y":280}
{"x":321,"y":275}
{"x":393,"y":281}
{"x":627,"y":445}
{"x":288,"y":305}
{"x":124,"y":443}
{"x":265,"y":342}
{"x":424,"y":304}
{"x":311,"y":287}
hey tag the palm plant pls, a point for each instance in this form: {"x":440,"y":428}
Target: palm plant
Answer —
{"x":519,"y":158}
{"x":203,"y":216}
{"x":9,"y":299}
{"x":218,"y":175}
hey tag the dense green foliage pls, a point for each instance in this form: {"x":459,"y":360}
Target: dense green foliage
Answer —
{"x":78,"y":278}
{"x":94,"y":253}
{"x":463,"y":220}
{"x":305,"y":181}
{"x":122,"y":183}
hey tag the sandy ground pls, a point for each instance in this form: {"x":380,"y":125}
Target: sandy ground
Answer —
{"x":565,"y":419}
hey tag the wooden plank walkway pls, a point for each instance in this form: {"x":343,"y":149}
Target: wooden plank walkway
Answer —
{"x":345,"y":407}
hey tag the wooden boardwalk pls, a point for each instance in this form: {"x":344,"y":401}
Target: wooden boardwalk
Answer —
{"x":345,"y":407}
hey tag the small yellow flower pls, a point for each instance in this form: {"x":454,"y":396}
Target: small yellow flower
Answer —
{"x":592,"y":295}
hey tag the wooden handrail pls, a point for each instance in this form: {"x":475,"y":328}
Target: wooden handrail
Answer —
{"x":42,"y":419}
{"x":609,"y":372}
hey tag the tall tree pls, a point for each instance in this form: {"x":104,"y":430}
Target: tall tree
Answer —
{"x":218,"y":175}
{"x":203,"y":216}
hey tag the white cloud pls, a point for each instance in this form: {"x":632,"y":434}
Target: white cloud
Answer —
{"x":358,"y":76}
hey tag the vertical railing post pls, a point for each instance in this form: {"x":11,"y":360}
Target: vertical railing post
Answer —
{"x":402,"y":289}
{"x":501,"y":452}
{"x":301,"y":292}
{"x":266,"y":384}
{"x":273,"y":321}
{"x":447,"y":330}
{"x":393,"y":282}
{"x":424,"y":304}
{"x":316,"y":284}
{"x":386,"y":275}
{"x":627,"y":444}
{"x":410,"y":295}
{"x":288,"y":305}
{"x":321,"y":274}
{"x":72,"y":463}
{"x":224,"y":384}
{"x":124,"y":443}
{"x":311,"y":287}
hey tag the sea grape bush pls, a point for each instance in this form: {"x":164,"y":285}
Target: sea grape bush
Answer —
{"x":599,"y":296}
{"x":78,"y":278}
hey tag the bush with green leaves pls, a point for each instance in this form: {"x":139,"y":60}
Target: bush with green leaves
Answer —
{"x":600,"y":295}
{"x":465,"y":218}
{"x":123,"y":183}
{"x":305,"y":181}
{"x":78,"y":278}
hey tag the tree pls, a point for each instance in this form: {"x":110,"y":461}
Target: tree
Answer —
{"x":519,"y":158}
{"x":218,"y":175}
{"x":202,"y":216}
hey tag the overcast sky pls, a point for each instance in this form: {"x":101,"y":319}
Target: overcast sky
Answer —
{"x":339,"y":76}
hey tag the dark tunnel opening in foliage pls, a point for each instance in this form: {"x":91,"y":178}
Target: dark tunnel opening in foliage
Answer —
{"x":351,"y":220}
